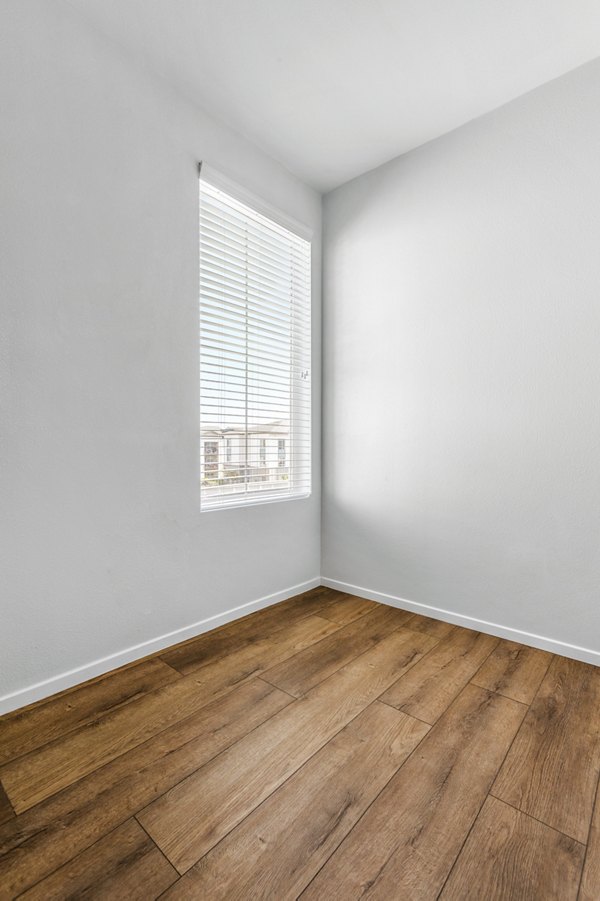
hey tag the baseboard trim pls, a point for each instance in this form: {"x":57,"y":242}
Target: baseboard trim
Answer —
{"x":73,"y":677}
{"x":469,"y":622}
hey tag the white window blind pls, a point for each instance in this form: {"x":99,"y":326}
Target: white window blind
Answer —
{"x":255,"y":387}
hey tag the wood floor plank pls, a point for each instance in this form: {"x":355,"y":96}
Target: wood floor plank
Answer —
{"x":43,"y":772}
{"x":406,"y":843}
{"x":434,"y":627}
{"x":22,"y":732}
{"x":190,"y":819}
{"x":124,"y":864}
{"x":590,"y":882}
{"x":6,"y":809}
{"x":213,"y":645}
{"x":347,"y":608}
{"x":514,"y":670}
{"x":428,"y":689}
{"x":510,"y":855}
{"x":300,"y":673}
{"x":45,"y":837}
{"x":276,"y":851}
{"x":552,"y":769}
{"x":259,"y":657}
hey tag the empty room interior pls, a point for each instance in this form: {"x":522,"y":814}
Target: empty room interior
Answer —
{"x":300,"y":392}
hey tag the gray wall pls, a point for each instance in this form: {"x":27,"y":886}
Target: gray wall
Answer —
{"x":462,"y":369}
{"x":103,"y":543}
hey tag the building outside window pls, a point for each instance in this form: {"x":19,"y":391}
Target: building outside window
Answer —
{"x":211,"y":459}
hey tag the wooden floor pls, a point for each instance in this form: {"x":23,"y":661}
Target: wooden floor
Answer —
{"x":326,"y":747}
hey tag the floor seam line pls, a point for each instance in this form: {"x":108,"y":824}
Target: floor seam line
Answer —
{"x":526,"y":813}
{"x":476,"y":817}
{"x":278,"y":688}
{"x":366,"y":810}
{"x":404,"y":712}
{"x":158,"y":847}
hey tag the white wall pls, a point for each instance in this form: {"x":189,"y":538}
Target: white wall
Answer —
{"x":103,"y":543}
{"x":462,"y":369}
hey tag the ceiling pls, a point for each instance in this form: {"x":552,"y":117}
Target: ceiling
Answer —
{"x":332,"y":88}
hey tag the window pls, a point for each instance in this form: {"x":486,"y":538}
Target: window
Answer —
{"x":255,"y":394}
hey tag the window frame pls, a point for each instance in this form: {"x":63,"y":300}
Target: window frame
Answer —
{"x":275,"y":494}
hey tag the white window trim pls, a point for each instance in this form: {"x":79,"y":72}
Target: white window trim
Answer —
{"x":219,"y":180}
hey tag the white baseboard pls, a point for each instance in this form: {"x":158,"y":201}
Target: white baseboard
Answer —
{"x":73,"y":677}
{"x":470,"y":622}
